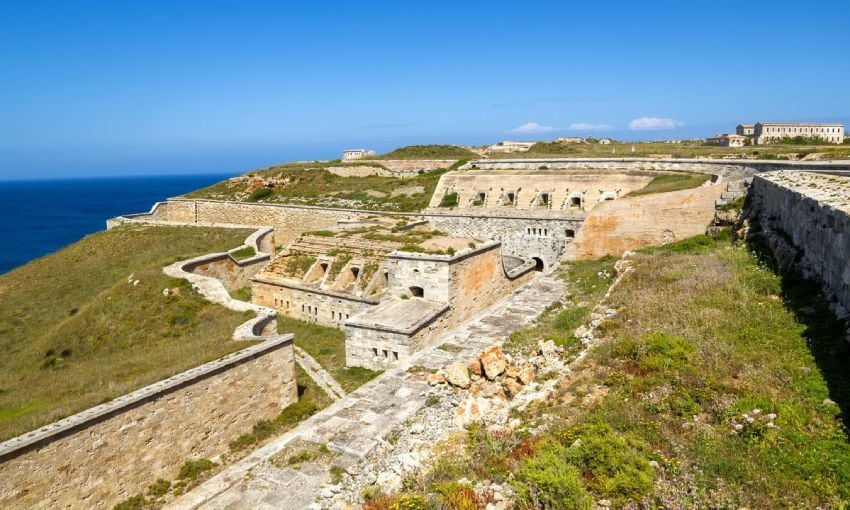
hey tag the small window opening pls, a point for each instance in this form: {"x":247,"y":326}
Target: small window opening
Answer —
{"x":355,"y":272}
{"x":575,"y":202}
{"x":395,"y":356}
{"x":375,"y":351}
{"x":570,"y":233}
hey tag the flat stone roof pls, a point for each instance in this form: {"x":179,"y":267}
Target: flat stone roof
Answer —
{"x":832,"y":190}
{"x":404,"y":316}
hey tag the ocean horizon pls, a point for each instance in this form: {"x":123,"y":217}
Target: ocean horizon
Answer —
{"x":41,"y":216}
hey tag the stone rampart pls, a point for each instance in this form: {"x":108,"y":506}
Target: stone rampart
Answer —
{"x":107,"y":453}
{"x":813,"y":212}
{"x":734,"y":168}
{"x":636,"y":222}
{"x":427,"y":296}
{"x":389,"y":167}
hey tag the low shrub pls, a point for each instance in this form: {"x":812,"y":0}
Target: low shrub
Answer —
{"x":192,"y":469}
{"x":547,"y":480}
{"x":449,"y":200}
{"x":259,"y":194}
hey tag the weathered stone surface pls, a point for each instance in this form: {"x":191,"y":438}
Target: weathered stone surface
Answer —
{"x":512,"y":386}
{"x":475,"y":367}
{"x":457,"y":375}
{"x":435,"y":379}
{"x":493,"y":362}
{"x":526,"y":373}
{"x":806,"y":220}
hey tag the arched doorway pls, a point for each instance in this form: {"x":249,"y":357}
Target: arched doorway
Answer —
{"x":538,"y":264}
{"x":417,"y":291}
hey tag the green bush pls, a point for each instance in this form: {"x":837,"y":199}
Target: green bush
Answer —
{"x":449,"y":200}
{"x":547,"y":480}
{"x":159,"y":488}
{"x":191,"y":469}
{"x":136,"y":502}
{"x":259,"y":194}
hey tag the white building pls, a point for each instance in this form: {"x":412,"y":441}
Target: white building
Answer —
{"x":745,"y":129}
{"x":509,"y":146}
{"x":729,"y":140}
{"x":349,"y":154}
{"x":767,"y":132}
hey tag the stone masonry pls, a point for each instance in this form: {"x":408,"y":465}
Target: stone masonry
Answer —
{"x":107,"y":453}
{"x":812,"y":211}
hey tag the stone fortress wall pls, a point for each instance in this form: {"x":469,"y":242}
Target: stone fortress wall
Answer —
{"x":390,"y":167}
{"x":427,"y":296}
{"x":110,"y":452}
{"x":74,"y":462}
{"x":805,"y":218}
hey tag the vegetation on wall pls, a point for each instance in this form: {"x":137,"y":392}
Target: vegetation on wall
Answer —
{"x":671,"y":182}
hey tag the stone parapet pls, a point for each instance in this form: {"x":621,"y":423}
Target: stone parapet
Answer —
{"x":811,"y":211}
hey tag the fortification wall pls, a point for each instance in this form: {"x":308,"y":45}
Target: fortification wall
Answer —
{"x":390,"y":167}
{"x":732,"y":168}
{"x":812,"y":212}
{"x":310,"y":305}
{"x":110,"y":452}
{"x":631,"y":223}
{"x":544,"y":190}
{"x":232,"y":274}
{"x":455,"y":288}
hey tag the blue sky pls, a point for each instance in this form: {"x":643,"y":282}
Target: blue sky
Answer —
{"x":151,"y":87}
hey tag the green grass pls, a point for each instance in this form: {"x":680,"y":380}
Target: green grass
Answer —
{"x":310,"y":184}
{"x":75,"y":333}
{"x":327,"y":346}
{"x":244,"y":253}
{"x":671,"y":182}
{"x":717,"y":370}
{"x":429,"y":152}
{"x":242,"y":294}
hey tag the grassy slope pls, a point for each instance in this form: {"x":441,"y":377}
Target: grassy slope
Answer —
{"x":74,"y":333}
{"x":679,"y":150}
{"x":327,"y":346}
{"x":671,"y":182}
{"x":706,"y":334}
{"x":429,"y":152}
{"x":309,"y":184}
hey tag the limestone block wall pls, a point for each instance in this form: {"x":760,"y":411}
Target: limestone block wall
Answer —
{"x":813,"y":212}
{"x":541,"y":190}
{"x":479,"y":281}
{"x":545,"y":246}
{"x":465,"y":284}
{"x":106,"y":454}
{"x":501,"y":227}
{"x":390,"y":167}
{"x":312,"y":305}
{"x":232,"y":273}
{"x":632,"y":223}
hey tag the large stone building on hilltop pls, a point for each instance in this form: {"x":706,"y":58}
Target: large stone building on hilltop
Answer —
{"x":766,"y":132}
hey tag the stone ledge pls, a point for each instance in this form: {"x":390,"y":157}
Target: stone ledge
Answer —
{"x":55,"y":430}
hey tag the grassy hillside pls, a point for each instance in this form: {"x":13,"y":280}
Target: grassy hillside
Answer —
{"x":719,"y":384}
{"x":74,"y":332}
{"x":429,"y":152}
{"x":310,"y":184}
{"x":678,"y":150}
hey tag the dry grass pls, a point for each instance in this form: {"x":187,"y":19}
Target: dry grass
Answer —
{"x":75,"y":333}
{"x":729,"y":376}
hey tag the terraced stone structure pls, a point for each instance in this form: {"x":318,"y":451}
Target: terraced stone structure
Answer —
{"x":391,"y":286}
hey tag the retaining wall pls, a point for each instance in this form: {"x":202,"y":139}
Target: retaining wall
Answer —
{"x":813,"y":213}
{"x":107,"y":453}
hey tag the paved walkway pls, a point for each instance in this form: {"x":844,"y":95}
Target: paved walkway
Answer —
{"x":354,"y":425}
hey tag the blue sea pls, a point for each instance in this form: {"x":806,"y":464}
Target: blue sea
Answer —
{"x":39,"y":217}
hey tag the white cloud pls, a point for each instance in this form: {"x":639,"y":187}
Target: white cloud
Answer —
{"x":652,"y":123}
{"x":585,"y":126}
{"x":532,"y":127}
